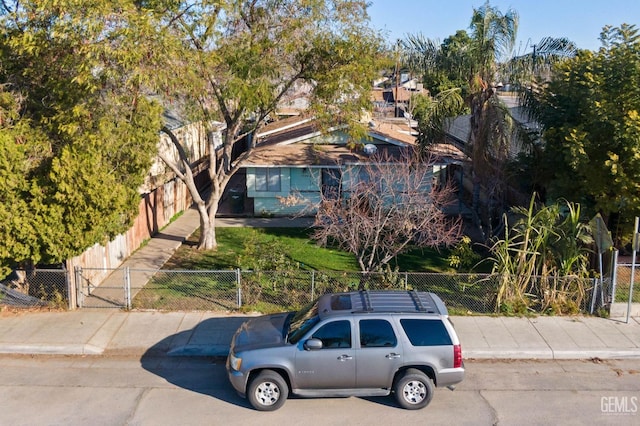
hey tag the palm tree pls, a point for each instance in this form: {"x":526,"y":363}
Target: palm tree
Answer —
{"x":481,"y":59}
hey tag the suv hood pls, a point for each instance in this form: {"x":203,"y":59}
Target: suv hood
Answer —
{"x":261,"y":332}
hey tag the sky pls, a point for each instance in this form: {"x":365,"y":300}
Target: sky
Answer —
{"x":580,"y":21}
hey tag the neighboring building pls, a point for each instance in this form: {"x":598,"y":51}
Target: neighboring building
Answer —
{"x":458,"y":131}
{"x":297,"y":161}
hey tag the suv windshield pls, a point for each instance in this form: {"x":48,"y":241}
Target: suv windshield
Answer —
{"x":302,"y":321}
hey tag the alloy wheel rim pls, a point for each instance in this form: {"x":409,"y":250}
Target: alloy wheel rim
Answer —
{"x":268,"y":393}
{"x":414,"y":392}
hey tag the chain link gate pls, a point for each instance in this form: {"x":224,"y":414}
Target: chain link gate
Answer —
{"x":109,"y":292}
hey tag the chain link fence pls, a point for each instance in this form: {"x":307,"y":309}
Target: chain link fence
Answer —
{"x":262,"y":291}
{"x":35,"y":288}
{"x":270,"y":291}
{"x":623,"y":284}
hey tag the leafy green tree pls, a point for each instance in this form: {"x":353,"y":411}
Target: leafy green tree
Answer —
{"x":77,"y":132}
{"x":433,"y":113}
{"x":238,"y":59}
{"x":590,"y":113}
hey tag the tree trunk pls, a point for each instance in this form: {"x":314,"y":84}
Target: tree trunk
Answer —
{"x":208,"y":239}
{"x":207,"y":206}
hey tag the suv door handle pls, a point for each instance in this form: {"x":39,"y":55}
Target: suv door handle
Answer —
{"x":344,"y":357}
{"x":392,"y":355}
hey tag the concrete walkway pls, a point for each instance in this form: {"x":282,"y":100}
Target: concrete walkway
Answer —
{"x":112,"y":331}
{"x":147,"y":260}
{"x":103,"y":331}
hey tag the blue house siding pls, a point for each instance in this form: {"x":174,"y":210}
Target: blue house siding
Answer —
{"x":288,"y":172}
{"x":299,"y":182}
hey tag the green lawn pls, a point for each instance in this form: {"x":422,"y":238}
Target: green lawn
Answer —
{"x":270,"y":291}
{"x":298,"y":247}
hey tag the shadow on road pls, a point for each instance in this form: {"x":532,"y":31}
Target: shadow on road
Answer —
{"x":194,"y":359}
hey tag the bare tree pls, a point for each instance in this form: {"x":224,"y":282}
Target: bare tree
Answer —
{"x":385,"y":207}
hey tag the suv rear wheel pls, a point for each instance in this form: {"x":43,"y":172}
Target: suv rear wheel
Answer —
{"x":413,"y":390}
{"x":268,"y":391}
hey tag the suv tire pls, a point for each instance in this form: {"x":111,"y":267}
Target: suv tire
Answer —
{"x":268,"y":391}
{"x":413,"y":390}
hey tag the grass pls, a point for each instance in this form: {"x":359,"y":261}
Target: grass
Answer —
{"x":300,"y":249}
{"x":622,"y":293}
{"x":289,"y":289}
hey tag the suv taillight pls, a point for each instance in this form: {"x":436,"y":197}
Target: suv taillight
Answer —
{"x":457,"y":356}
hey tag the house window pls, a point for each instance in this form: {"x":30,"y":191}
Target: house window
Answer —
{"x":331,"y":183}
{"x":268,"y":179}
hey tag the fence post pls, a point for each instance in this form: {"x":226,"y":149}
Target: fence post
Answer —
{"x":127,"y":288}
{"x":313,"y":285}
{"x":79,"y":293}
{"x":239,"y":288}
{"x":406,"y":280}
{"x":68,"y":281}
{"x":594,"y":294}
{"x":614,"y":276}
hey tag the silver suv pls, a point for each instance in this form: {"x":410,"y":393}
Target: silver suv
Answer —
{"x":365,"y":343}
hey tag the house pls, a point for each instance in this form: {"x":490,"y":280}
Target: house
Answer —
{"x":458,"y":133}
{"x":293,"y":160}
{"x":458,"y":130}
{"x":394,"y":99}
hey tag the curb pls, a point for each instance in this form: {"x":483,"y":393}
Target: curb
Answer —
{"x":71,"y":349}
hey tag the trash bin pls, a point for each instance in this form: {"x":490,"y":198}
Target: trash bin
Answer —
{"x":237,"y":200}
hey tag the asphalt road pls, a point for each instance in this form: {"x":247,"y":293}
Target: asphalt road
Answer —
{"x":103,"y":390}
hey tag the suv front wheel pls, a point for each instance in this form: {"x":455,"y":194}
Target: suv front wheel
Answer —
{"x":268,"y":391}
{"x":413,"y":390}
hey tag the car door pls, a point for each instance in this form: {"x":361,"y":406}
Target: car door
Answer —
{"x":333,"y":366}
{"x":379,"y":354}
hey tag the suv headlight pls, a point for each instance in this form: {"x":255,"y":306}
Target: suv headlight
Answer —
{"x":235,"y":362}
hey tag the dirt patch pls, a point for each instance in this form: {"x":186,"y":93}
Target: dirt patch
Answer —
{"x":12,"y":311}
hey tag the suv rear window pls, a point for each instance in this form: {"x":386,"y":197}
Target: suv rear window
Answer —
{"x":423,"y":332}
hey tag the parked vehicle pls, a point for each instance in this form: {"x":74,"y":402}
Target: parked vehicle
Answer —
{"x":365,"y":343}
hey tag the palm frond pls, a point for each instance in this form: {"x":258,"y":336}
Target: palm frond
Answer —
{"x":419,"y":53}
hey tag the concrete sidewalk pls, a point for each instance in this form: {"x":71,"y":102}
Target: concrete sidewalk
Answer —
{"x":113,"y":331}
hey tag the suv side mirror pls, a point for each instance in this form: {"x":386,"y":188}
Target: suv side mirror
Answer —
{"x":313,"y":344}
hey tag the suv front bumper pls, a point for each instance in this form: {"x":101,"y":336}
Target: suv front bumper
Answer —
{"x":237,"y":379}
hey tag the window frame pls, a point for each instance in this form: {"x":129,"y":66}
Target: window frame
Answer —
{"x":265,"y":179}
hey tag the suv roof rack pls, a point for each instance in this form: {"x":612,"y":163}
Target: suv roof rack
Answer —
{"x":369,"y":301}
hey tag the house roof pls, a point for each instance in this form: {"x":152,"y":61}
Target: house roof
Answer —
{"x":398,"y":130}
{"x":459,"y":128}
{"x":284,"y":125}
{"x":403,"y":94}
{"x":310,"y":154}
{"x":289,"y":144}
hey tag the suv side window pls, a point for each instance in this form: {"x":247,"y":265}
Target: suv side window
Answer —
{"x":426,"y":332}
{"x":376,"y":333}
{"x":336,"y":334}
